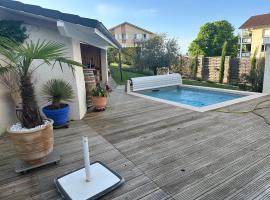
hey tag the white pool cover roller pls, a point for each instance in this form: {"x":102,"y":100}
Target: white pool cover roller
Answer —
{"x":90,"y":182}
{"x":151,"y":82}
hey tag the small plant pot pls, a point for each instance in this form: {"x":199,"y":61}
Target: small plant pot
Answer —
{"x":99,"y":102}
{"x":33,"y":145}
{"x":59,"y":116}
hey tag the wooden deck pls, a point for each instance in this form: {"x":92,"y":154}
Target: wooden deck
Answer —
{"x":162,"y":151}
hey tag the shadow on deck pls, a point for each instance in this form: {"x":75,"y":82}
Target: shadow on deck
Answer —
{"x":163,"y":152}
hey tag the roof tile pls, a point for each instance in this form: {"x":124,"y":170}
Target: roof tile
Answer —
{"x":257,"y":21}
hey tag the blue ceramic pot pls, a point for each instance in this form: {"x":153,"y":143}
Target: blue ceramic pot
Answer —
{"x":59,"y":116}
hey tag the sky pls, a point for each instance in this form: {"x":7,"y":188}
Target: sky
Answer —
{"x":180,"y":19}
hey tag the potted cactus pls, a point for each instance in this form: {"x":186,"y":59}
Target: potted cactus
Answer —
{"x":33,"y":135}
{"x":99,"y":97}
{"x":56,"y":91}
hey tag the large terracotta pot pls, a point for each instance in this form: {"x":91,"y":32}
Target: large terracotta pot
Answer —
{"x":99,"y":102}
{"x":34,"y":145}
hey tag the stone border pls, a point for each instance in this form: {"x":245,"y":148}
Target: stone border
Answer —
{"x":250,"y":96}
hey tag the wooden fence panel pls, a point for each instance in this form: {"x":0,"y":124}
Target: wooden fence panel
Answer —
{"x":208,"y":68}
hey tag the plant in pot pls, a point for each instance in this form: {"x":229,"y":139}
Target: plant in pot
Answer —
{"x":56,"y":91}
{"x":99,"y":97}
{"x":33,"y":135}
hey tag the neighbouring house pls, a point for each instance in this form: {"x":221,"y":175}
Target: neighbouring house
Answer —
{"x":130,"y":35}
{"x":86,"y":41}
{"x":252,"y":35}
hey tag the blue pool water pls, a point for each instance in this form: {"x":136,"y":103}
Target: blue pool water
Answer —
{"x":190,"y":96}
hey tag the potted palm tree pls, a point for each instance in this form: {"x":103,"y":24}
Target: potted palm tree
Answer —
{"x":33,"y":135}
{"x":56,"y":91}
{"x":99,"y":97}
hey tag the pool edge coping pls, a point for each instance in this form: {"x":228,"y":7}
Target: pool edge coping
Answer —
{"x":251,"y":95}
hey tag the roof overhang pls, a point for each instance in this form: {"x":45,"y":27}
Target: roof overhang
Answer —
{"x":84,"y":34}
{"x":266,"y":40}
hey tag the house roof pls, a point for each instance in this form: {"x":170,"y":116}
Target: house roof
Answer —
{"x":57,"y":15}
{"x":257,"y":21}
{"x":131,"y":25}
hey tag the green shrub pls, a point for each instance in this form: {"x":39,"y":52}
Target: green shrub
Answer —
{"x":194,"y":67}
{"x":57,"y":90}
{"x":13,"y":30}
{"x":128,"y":55}
{"x":99,"y":91}
{"x":256,"y":74}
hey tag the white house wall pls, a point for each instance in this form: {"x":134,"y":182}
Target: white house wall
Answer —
{"x":104,"y":65}
{"x":7,"y":111}
{"x":45,"y":73}
{"x":79,"y":76}
{"x":266,"y":81}
{"x":40,"y":30}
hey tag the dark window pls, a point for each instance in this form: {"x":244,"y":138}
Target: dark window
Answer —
{"x":263,"y":48}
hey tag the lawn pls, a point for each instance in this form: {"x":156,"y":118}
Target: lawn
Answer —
{"x":127,"y":73}
{"x":210,"y":84}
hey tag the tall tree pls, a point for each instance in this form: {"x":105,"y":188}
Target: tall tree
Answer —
{"x":211,"y":38}
{"x":157,"y":52}
{"x":222,"y":64}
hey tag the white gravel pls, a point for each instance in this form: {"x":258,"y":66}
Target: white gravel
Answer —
{"x":17,"y":128}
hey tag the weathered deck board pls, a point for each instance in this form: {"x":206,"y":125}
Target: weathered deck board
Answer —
{"x":38,"y":184}
{"x":163,"y":152}
{"x":188,"y":154}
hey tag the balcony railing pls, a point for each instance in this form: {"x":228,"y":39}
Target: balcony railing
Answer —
{"x":139,"y":39}
{"x":245,"y":40}
{"x":244,"y":54}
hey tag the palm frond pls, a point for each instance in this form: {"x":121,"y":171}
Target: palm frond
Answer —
{"x":19,"y":58}
{"x":49,"y":52}
{"x":57,"y":90}
{"x":6,"y":69}
{"x":68,"y":62}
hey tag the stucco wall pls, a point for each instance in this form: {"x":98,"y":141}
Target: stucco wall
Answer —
{"x":7,"y":112}
{"x":44,"y":73}
{"x":80,"y":84}
{"x":41,"y":30}
{"x":104,"y":65}
{"x":266,"y":81}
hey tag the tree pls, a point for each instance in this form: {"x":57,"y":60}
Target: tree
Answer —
{"x":112,"y":55}
{"x":256,"y":74}
{"x":194,"y":67}
{"x":13,"y":30}
{"x":158,"y":51}
{"x":222,"y":64}
{"x":211,"y":38}
{"x":19,"y":58}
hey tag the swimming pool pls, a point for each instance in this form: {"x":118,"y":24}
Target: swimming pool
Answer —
{"x":195,"y":97}
{"x":191,"y":96}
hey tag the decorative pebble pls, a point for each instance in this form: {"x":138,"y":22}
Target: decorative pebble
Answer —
{"x":17,"y":128}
